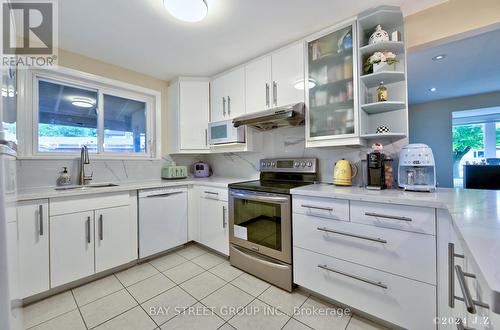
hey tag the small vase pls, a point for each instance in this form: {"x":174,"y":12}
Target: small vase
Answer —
{"x":383,"y":66}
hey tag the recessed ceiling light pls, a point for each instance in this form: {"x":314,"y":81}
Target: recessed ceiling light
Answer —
{"x":187,"y":10}
{"x":438,"y":57}
{"x":299,"y":84}
{"x":82,"y":102}
{"x":432,"y":89}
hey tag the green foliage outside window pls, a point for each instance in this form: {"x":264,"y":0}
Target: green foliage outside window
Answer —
{"x":66,"y":131}
{"x":465,"y":138}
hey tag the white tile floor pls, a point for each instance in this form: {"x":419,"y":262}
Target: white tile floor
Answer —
{"x":190,"y":288}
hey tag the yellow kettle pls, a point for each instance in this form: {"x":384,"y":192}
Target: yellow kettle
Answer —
{"x":343,"y":173}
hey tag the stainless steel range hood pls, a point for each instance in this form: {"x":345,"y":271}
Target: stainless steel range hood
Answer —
{"x":289,"y":115}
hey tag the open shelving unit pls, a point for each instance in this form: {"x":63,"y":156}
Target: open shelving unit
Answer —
{"x":396,"y":47}
{"x":378,"y":107}
{"x":394,"y":112}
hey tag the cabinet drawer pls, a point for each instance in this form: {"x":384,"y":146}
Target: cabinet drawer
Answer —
{"x":73,"y":204}
{"x":406,"y":303}
{"x":337,"y":209}
{"x":402,"y":253}
{"x":409,"y":218}
{"x":214,"y":193}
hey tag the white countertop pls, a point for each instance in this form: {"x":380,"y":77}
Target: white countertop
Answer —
{"x":475,"y":213}
{"x":50,"y":192}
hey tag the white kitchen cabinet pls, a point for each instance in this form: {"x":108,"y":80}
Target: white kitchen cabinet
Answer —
{"x":213,"y":219}
{"x":228,"y":95}
{"x":450,"y":311}
{"x":258,"y":85}
{"x":189,"y":111}
{"x":71,"y":247}
{"x":13,"y":260}
{"x":33,"y":247}
{"x":287,"y":71}
{"x":398,"y":252}
{"x":113,"y":231}
{"x":407,"y":303}
{"x":270,"y":81}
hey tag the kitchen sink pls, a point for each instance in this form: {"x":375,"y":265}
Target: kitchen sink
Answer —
{"x":88,"y":186}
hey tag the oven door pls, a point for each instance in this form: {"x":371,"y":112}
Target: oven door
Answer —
{"x":261,"y":222}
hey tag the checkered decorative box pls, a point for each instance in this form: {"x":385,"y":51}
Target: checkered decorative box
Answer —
{"x":382,"y":129}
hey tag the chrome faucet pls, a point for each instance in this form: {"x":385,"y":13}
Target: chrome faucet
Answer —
{"x":84,"y":159}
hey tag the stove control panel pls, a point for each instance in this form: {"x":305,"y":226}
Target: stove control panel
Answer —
{"x":297,"y":165}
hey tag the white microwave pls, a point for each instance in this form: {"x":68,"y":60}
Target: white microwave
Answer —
{"x":223,"y":132}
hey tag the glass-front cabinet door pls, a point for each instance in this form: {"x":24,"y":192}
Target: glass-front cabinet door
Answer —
{"x":331,"y":72}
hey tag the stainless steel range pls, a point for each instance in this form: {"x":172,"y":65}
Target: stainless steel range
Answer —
{"x":260,"y":219}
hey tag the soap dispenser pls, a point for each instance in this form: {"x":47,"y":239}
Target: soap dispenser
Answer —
{"x":64,"y":179}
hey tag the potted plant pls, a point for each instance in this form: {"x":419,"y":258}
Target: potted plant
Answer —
{"x":380,"y":60}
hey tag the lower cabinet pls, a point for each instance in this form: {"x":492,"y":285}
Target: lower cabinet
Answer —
{"x":112,"y":233}
{"x":33,"y":247}
{"x":374,"y":257}
{"x":213,"y":221}
{"x":71,"y":247}
{"x":85,"y":243}
{"x":404,"y":302}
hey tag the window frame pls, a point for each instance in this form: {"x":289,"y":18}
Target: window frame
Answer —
{"x":28,"y":120}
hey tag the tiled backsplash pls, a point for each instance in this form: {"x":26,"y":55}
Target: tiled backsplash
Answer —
{"x":284,"y":142}
{"x":290,"y":142}
{"x":42,"y":173}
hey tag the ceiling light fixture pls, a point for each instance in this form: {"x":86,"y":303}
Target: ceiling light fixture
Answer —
{"x":438,"y":57}
{"x":187,"y":10}
{"x":82,"y":102}
{"x":299,"y":84}
{"x":432,"y":89}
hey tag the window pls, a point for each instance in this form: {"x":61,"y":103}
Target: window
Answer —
{"x":110,"y":120}
{"x":476,"y":140}
{"x":124,"y":125}
{"x":67,"y":118}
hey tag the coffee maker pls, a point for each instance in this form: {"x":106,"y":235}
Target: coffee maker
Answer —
{"x":416,"y":170}
{"x":375,"y":166}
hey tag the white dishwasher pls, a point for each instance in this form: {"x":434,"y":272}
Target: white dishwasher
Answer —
{"x":162,"y":219}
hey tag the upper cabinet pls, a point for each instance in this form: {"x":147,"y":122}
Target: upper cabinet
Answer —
{"x":189,"y":109}
{"x":347,"y":67}
{"x":288,"y":75}
{"x":228,"y":95}
{"x":275,"y":80}
{"x":332,"y":116}
{"x":258,"y":85}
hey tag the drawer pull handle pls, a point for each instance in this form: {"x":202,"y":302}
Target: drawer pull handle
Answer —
{"x":318,"y":207}
{"x":461,"y":326}
{"x":88,"y":230}
{"x":470,"y":303}
{"x":40,"y":220}
{"x":378,"y":240}
{"x":393,"y":217}
{"x":362,"y":279}
{"x":101,"y":234}
{"x":211,"y":193}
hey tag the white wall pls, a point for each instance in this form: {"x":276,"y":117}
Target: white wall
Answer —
{"x":289,"y":142}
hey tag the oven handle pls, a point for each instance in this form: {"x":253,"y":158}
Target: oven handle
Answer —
{"x":259,"y":260}
{"x":261,"y":198}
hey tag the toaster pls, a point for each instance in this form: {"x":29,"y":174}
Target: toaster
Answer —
{"x":174,"y":172}
{"x":201,"y":170}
